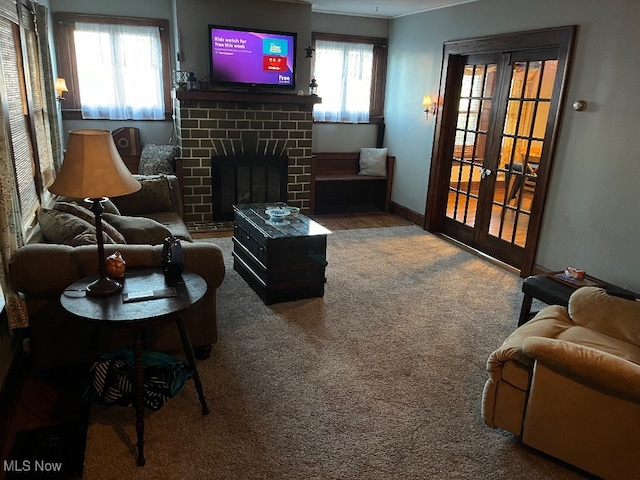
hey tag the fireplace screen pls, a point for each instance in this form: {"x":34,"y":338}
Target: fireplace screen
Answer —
{"x":240,"y":180}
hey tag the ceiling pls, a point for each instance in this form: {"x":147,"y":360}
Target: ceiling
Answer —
{"x":378,"y":8}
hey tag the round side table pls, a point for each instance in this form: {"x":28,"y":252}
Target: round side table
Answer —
{"x":113,"y":312}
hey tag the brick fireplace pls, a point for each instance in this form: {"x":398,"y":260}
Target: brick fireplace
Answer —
{"x":213,"y":124}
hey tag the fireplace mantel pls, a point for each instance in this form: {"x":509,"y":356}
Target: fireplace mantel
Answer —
{"x":247,"y":97}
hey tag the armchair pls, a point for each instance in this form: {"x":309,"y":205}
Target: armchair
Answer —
{"x":568,"y":383}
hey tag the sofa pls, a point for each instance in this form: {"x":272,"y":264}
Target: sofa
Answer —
{"x":568,"y":383}
{"x":62,"y":250}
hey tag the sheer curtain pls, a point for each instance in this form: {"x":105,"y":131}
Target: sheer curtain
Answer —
{"x":119,"y":71}
{"x":343,"y":72}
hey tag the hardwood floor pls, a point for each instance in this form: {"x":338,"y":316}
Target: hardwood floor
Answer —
{"x":361,"y":220}
{"x":345,"y":221}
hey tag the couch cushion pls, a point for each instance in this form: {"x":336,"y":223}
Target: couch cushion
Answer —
{"x":88,"y":216}
{"x":153,"y":196}
{"x":589,"y":337}
{"x":107,"y":205}
{"x":156,"y":159}
{"x":65,"y":228}
{"x":139,"y":230}
{"x":174,"y":223}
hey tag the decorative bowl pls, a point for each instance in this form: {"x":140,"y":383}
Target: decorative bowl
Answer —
{"x":293,"y":211}
{"x":276,"y":214}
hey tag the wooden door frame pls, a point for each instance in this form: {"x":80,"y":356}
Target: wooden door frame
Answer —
{"x":560,"y":37}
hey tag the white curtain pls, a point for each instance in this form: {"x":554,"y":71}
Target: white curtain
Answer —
{"x":119,"y":71}
{"x":343,"y":72}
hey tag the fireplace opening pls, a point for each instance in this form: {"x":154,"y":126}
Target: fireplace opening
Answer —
{"x":247,"y":179}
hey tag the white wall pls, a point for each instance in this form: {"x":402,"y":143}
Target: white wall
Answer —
{"x":591,"y":218}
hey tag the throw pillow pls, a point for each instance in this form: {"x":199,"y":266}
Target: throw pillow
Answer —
{"x":156,"y":159}
{"x":154,"y":196}
{"x":139,"y":230}
{"x":108,"y":205}
{"x":88,"y":216}
{"x":373,"y":161}
{"x":65,"y":228}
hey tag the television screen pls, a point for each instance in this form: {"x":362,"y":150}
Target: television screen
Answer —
{"x":252,"y":58}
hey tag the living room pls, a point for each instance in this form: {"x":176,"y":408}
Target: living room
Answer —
{"x":584,"y":191}
{"x":594,"y":175}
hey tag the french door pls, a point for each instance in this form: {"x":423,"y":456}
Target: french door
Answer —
{"x":494,"y":144}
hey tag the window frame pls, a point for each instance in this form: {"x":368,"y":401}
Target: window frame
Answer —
{"x":378,"y":73}
{"x":64,"y":26}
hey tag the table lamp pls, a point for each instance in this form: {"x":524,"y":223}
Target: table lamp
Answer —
{"x":93,"y":169}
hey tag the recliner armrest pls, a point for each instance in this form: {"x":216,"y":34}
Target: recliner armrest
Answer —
{"x":549,"y":322}
{"x":599,"y":370}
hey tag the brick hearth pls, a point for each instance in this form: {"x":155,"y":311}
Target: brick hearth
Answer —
{"x":205,"y":120}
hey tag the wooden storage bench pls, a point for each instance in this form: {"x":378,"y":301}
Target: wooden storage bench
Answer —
{"x":336,"y":186}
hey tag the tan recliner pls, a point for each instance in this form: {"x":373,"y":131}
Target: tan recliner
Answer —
{"x":568,"y":383}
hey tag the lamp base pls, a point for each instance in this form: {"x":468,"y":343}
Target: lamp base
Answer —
{"x":103,"y":287}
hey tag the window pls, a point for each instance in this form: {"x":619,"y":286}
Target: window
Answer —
{"x":350,"y":72}
{"x":117,"y":68}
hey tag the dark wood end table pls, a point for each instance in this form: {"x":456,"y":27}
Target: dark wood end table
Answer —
{"x":112,"y":312}
{"x":553,"y":291}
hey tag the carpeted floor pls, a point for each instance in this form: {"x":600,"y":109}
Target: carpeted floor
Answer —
{"x":380,"y":379}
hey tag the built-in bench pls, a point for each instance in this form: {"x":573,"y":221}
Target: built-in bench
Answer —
{"x":337,"y":186}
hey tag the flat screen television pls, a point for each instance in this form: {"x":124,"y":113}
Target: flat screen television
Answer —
{"x":251,"y":58}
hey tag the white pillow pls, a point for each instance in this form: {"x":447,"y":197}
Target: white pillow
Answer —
{"x":373,"y":161}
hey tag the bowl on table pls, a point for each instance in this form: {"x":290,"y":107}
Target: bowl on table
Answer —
{"x":276,"y":215}
{"x":293,"y":211}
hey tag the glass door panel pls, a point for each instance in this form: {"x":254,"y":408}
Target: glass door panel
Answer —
{"x":527,"y":113}
{"x":476,"y":95}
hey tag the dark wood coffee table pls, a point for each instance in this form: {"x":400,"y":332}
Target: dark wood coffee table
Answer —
{"x":280,"y":261}
{"x":112,"y":312}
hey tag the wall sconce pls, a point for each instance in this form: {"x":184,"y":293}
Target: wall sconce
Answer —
{"x":60,"y":87}
{"x":429,"y":106}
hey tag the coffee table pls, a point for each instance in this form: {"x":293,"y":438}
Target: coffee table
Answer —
{"x":280,"y":261}
{"x":112,"y":312}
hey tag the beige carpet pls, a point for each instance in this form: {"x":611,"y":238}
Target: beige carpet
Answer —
{"x":380,"y":379}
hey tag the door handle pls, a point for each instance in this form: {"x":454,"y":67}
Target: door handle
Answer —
{"x":485,"y":172}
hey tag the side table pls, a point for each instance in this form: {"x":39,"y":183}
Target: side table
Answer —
{"x":112,"y":312}
{"x":554,"y":292}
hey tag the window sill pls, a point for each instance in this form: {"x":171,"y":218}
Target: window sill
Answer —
{"x":72,"y":114}
{"x":372,"y":121}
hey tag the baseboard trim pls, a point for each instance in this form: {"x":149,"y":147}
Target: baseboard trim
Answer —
{"x":407,"y":214}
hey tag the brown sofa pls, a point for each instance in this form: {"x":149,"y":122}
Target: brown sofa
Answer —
{"x":41,"y":270}
{"x":568,"y":383}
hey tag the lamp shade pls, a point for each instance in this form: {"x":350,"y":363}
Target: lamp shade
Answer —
{"x":93,"y":168}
